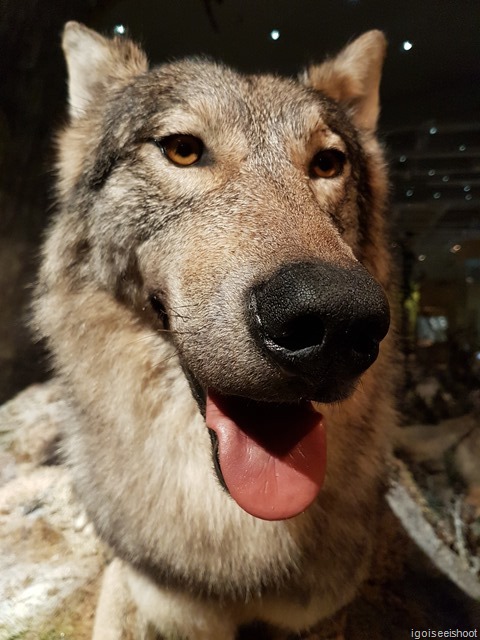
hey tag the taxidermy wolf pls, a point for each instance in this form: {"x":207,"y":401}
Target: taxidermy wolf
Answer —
{"x":213,"y":295}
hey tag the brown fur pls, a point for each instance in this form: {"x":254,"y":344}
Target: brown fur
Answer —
{"x":131,"y":225}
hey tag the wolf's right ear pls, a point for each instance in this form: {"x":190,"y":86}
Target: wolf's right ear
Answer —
{"x":94,"y":61}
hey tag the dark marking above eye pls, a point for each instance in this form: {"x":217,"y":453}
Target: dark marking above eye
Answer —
{"x":182,"y":150}
{"x":327,"y":164}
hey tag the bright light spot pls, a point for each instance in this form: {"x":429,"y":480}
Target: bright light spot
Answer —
{"x":422,"y":257}
{"x":437,"y":195}
{"x":468,"y":196}
{"x":431,"y":172}
{"x":409,"y":193}
{"x":467,"y":188}
{"x":275,"y":34}
{"x":407,"y":45}
{"x":462,"y":147}
{"x":119,"y":29}
{"x":445,"y":179}
{"x":433,"y":131}
{"x":456,"y":248}
{"x":402,"y":159}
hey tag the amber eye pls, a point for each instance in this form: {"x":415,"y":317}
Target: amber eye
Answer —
{"x":182,"y":150}
{"x":328,"y":163}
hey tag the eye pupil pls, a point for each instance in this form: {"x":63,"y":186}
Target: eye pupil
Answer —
{"x":325,"y":163}
{"x":328,"y":163}
{"x":181,"y":150}
{"x":184,"y":149}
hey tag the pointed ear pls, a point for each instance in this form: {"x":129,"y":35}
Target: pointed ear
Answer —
{"x":94,"y":62}
{"x":352,"y":78}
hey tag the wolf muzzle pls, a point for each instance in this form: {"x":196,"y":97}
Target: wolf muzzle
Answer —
{"x":319,"y":321}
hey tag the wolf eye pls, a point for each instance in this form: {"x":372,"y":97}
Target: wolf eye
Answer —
{"x":328,"y":163}
{"x":182,"y":150}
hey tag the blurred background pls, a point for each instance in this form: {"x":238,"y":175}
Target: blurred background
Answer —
{"x":430,"y":123}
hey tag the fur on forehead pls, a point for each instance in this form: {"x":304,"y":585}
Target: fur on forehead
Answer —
{"x":352,"y":78}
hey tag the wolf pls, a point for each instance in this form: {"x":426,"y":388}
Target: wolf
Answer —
{"x":214,"y":292}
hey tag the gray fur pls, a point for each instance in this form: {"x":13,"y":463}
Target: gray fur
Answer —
{"x":131,"y":225}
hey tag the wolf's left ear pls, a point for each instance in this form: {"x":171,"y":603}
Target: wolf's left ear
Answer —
{"x":94,"y":62}
{"x":352,"y":78}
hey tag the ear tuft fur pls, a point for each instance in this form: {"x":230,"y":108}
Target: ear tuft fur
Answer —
{"x":94,"y":62}
{"x":352,"y":78}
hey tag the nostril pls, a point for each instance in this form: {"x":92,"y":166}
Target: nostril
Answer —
{"x":365,"y":335}
{"x":364,"y":345}
{"x":303,"y":332}
{"x":361,"y":353}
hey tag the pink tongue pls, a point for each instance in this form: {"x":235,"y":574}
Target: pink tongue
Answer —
{"x":272,"y":457}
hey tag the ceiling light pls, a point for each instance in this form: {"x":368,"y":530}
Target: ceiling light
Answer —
{"x":422,"y":257}
{"x":468,"y":196}
{"x":456,"y":248}
{"x":119,"y":29}
{"x":445,"y":179}
{"x":437,"y":195}
{"x":466,"y":188}
{"x":402,"y":159}
{"x":407,"y":45}
{"x":274,"y":34}
{"x":431,"y":172}
{"x":433,"y":131}
{"x":409,"y":193}
{"x":462,"y":147}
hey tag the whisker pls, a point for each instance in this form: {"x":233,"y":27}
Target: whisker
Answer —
{"x":158,"y":331}
{"x":176,"y":314}
{"x":188,"y":305}
{"x":176,"y":331}
{"x":155,"y":365}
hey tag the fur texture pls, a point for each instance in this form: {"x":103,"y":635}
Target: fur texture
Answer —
{"x":131,"y":228}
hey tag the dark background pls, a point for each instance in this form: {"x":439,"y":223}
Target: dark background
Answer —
{"x":430,"y":121}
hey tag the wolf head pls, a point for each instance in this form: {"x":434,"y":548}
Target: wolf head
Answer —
{"x":240,"y":218}
{"x":200,"y":186}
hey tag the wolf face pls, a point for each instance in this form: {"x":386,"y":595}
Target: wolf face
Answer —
{"x":233,"y":226}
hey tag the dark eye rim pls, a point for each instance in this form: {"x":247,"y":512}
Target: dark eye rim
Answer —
{"x":162,"y":143}
{"x":339,"y":158}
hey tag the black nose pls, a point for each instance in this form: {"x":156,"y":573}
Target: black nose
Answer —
{"x":320,"y":321}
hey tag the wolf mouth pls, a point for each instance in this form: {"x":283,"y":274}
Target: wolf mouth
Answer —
{"x":317,"y":327}
{"x":270,"y":457}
